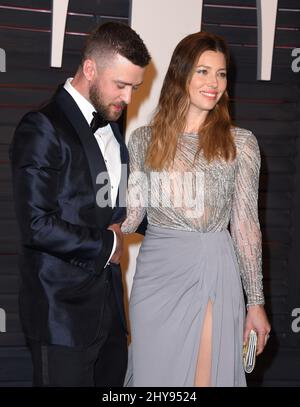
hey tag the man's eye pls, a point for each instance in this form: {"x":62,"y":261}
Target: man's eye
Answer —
{"x":120,"y":86}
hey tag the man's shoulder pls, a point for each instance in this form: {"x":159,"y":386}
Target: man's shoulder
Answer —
{"x":46,"y":119}
{"x":46,"y":110}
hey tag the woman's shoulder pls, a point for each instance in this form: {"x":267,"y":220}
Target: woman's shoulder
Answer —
{"x":243,"y":137}
{"x":140,"y":137}
{"x":143,"y":132}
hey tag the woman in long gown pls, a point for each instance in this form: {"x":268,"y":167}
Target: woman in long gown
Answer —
{"x":194,"y":174}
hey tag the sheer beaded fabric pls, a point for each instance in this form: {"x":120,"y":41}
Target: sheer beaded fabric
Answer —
{"x":204,"y":197}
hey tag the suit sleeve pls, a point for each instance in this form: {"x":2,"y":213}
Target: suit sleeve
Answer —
{"x":37,"y":164}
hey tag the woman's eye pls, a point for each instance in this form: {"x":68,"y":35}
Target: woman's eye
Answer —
{"x":202,"y":71}
{"x":223,"y":74}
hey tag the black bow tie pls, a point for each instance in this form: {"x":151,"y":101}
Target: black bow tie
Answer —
{"x":97,"y":122}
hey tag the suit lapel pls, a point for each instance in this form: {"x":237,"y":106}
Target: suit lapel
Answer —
{"x":92,"y":151}
{"x":119,"y":137}
{"x":121,"y":198}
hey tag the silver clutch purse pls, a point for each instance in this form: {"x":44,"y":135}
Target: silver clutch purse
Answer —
{"x":249,"y":352}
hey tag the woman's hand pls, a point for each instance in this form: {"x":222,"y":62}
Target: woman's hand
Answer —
{"x":258,"y":321}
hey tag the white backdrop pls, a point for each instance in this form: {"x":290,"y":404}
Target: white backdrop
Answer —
{"x":161,"y":24}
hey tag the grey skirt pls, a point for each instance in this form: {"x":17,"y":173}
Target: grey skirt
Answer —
{"x":177,"y":273}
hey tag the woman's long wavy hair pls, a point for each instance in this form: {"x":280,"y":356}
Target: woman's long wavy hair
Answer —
{"x":169,"y":121}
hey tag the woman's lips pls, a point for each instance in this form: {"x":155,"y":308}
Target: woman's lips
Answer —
{"x":210,"y":95}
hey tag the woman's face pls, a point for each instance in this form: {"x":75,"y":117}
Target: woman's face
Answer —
{"x":208,"y":82}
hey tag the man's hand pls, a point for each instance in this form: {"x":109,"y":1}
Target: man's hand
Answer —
{"x":258,"y":321}
{"x":116,"y":227}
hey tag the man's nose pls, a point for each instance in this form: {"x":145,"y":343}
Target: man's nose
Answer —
{"x":126,"y":95}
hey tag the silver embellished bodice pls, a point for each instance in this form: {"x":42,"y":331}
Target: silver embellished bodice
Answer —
{"x":202,"y":197}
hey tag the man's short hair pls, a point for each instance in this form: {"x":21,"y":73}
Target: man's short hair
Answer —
{"x":116,"y":38}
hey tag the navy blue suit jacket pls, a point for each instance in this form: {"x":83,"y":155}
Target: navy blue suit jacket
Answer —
{"x":55,"y":161}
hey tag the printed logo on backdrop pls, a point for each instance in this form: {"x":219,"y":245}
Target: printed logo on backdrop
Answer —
{"x":2,"y":320}
{"x":296,"y":61}
{"x":2,"y":60}
{"x":266,"y":22}
{"x":296,"y":321}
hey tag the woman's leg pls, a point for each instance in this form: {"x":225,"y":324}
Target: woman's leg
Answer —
{"x":203,"y":369}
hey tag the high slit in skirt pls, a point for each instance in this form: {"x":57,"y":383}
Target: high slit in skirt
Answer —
{"x":177,"y":273}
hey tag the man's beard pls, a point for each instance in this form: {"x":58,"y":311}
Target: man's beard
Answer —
{"x":97,"y":101}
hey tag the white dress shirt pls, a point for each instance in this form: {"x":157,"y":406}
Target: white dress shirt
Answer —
{"x":109,"y":146}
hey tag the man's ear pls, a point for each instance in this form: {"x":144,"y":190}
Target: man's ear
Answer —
{"x":89,"y":69}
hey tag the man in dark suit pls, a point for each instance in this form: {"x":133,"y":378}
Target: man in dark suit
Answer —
{"x":69,"y":165}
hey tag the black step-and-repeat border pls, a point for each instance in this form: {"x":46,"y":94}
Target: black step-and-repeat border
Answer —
{"x":270,"y":109}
